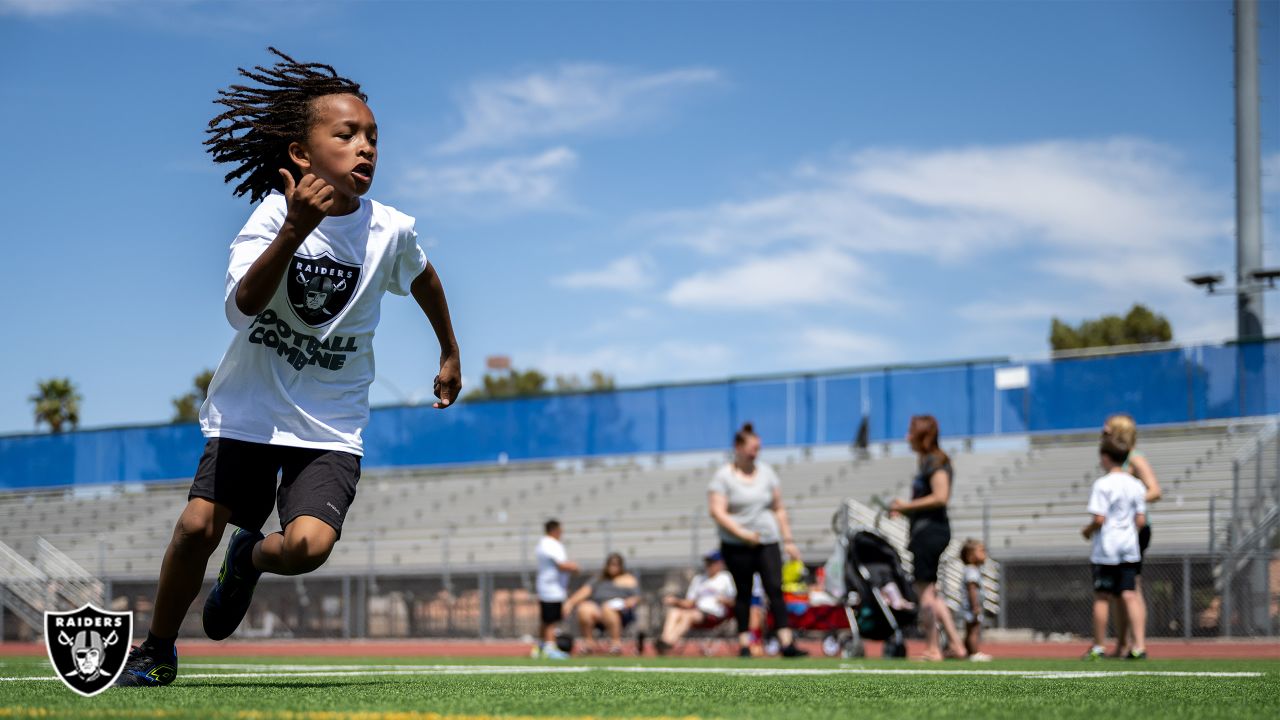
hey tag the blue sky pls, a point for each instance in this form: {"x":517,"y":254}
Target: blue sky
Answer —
{"x":663,"y":191}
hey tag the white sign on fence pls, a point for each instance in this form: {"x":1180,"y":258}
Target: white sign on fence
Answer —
{"x":1012,"y":378}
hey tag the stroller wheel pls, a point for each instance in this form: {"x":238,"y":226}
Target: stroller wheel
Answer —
{"x":895,"y":648}
{"x":831,"y":645}
{"x":853,"y":648}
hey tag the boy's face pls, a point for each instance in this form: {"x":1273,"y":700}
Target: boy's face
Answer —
{"x":341,"y":148}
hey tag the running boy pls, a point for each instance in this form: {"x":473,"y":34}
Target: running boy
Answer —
{"x":291,"y":395}
{"x":554,"y":567}
{"x":1117,"y":508}
{"x":973,"y":554}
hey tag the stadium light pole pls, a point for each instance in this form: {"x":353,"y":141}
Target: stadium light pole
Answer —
{"x":1249,"y":306}
{"x":1251,"y":278}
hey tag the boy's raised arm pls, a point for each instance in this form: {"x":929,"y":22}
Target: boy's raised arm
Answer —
{"x":307,"y":202}
{"x":429,"y":293}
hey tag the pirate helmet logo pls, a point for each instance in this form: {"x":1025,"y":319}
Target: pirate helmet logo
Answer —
{"x":88,"y":646}
{"x":319,"y":287}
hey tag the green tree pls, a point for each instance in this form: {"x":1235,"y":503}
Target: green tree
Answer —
{"x":533,"y":383}
{"x":514,"y":383}
{"x":57,"y":403}
{"x":1139,"y":326}
{"x":186,"y":408}
{"x":596,"y":380}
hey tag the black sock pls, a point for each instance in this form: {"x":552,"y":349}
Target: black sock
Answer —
{"x":245,"y":560}
{"x":162,"y":644}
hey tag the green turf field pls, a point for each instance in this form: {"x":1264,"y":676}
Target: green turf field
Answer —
{"x":414,"y":689}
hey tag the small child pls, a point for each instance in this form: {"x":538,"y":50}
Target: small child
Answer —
{"x":973,"y":554}
{"x":1117,"y":507}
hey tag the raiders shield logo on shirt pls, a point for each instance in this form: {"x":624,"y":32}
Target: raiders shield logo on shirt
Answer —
{"x":320,"y":287}
{"x":88,"y":646}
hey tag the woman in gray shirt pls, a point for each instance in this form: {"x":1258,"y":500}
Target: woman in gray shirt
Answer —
{"x":745,"y":499}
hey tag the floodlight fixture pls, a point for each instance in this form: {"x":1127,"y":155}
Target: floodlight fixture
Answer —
{"x":1206,"y":280}
{"x":1267,"y":275}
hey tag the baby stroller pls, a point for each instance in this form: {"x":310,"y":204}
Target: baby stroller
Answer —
{"x":879,"y":598}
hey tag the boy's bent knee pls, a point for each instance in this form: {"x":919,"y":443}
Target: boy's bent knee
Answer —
{"x":199,"y":528}
{"x":307,"y":548}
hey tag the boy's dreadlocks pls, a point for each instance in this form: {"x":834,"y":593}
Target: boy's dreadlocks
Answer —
{"x":271,"y":117}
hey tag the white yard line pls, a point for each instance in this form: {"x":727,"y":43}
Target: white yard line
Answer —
{"x":267,"y":671}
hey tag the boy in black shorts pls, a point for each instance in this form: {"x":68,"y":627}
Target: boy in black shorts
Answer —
{"x":1117,"y":508}
{"x":291,"y":395}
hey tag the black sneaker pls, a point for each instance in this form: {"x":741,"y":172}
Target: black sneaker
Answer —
{"x":744,"y":652}
{"x":147,"y":667}
{"x":228,"y":601}
{"x":1136,"y":655}
{"x":792,"y":651}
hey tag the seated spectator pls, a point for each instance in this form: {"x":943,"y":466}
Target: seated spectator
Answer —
{"x":704,"y":605}
{"x":607,"y":602}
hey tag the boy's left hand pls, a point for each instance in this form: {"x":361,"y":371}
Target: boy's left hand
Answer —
{"x":448,"y":382}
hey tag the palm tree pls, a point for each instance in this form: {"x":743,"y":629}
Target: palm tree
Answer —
{"x":57,"y":403}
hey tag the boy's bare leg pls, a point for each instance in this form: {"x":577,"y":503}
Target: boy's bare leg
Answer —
{"x":1101,"y":606}
{"x":303,"y":546}
{"x":195,"y":536}
{"x":1120,"y":616}
{"x":1137,"y":618}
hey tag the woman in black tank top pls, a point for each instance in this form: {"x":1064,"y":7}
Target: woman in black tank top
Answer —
{"x":930,"y":533}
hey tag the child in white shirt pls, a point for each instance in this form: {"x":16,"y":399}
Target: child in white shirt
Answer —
{"x":1117,"y":508}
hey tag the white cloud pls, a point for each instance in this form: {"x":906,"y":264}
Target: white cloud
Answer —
{"x":567,"y":99}
{"x":1067,"y":228}
{"x":633,"y":272}
{"x":507,"y":184}
{"x":1109,"y":212}
{"x":46,"y":8}
{"x":818,"y":276}
{"x":666,"y":360}
{"x":818,"y":346}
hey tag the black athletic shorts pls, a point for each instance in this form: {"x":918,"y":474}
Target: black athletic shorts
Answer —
{"x":1115,"y":579}
{"x":926,"y":547}
{"x":242,"y":476}
{"x":552,"y":612}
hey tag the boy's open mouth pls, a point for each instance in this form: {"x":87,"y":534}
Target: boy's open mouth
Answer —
{"x":363,"y":172}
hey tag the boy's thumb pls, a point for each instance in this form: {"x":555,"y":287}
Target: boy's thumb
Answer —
{"x":288,"y":181}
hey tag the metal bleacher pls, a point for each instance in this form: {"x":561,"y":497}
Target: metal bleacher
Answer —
{"x":1026,"y":495}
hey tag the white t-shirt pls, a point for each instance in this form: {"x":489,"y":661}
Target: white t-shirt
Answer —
{"x":750,"y":504}
{"x":709,"y":594}
{"x":1119,"y":497}
{"x":298,"y":374}
{"x":552,"y":584}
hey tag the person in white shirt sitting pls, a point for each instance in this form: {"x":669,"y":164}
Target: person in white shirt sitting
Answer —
{"x":705,"y":605}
